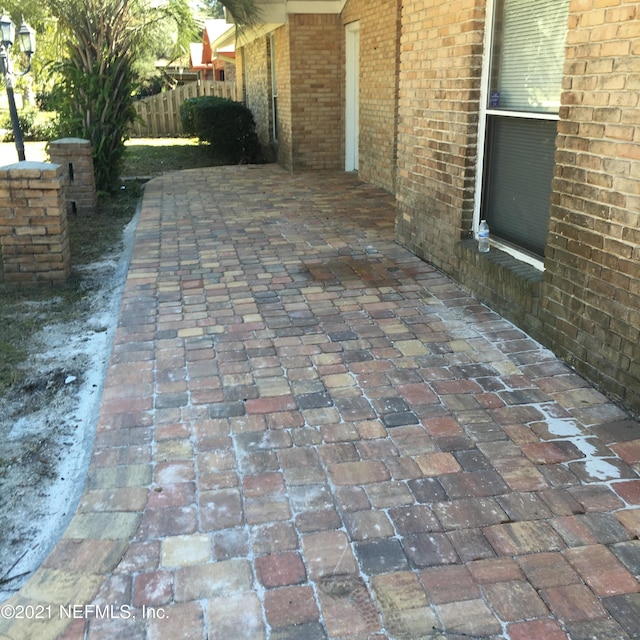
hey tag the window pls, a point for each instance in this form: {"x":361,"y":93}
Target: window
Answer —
{"x":523,"y":81}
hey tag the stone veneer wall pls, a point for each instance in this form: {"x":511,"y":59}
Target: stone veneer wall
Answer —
{"x":33,"y":223}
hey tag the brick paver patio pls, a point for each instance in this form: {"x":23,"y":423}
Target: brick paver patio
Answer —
{"x":307,"y":432}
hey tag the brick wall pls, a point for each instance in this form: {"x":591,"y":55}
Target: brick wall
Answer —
{"x":441,"y":50}
{"x":240,"y":74}
{"x":76,"y":158}
{"x":256,"y":86}
{"x":229,"y":69}
{"x":33,"y":223}
{"x":591,"y":293}
{"x":283,"y":80}
{"x":586,"y":306}
{"x":379,"y":52}
{"x":316,"y":91}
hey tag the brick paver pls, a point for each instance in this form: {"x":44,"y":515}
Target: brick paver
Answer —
{"x":307,"y":432}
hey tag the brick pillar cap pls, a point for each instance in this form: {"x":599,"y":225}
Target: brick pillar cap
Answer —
{"x":45,"y":169}
{"x":70,"y":141}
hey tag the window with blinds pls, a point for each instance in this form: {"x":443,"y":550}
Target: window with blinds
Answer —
{"x":523,"y":98}
{"x":528,"y":55}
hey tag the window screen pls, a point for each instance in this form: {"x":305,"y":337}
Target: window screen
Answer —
{"x":519,"y":170}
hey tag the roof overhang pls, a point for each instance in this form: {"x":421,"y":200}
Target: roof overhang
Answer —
{"x":314,"y":6}
{"x":273,"y":14}
{"x":226,"y":56}
{"x":278,"y":10}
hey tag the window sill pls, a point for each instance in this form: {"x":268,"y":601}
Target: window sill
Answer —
{"x":519,"y":254}
{"x":517,"y":262}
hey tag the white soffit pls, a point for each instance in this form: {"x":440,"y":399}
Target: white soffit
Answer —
{"x":276,"y":11}
{"x":273,"y":14}
{"x":315,"y":6}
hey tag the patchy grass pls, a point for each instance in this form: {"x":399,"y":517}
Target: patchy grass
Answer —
{"x":91,"y":236}
{"x":24,"y":310}
{"x":153,"y":157}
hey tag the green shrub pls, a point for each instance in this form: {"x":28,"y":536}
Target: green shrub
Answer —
{"x":49,"y":99}
{"x":228,"y":126}
{"x":32,"y":127}
{"x":26,"y":119}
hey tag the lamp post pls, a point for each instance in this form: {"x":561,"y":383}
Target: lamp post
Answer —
{"x":27,"y":42}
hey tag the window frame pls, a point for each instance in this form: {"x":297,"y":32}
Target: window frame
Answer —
{"x":485,"y":112}
{"x":274,"y":87}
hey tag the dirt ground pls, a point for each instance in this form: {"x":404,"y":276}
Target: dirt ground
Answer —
{"x":47,"y":424}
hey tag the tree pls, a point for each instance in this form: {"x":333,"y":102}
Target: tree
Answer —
{"x":216,"y":9}
{"x":103,"y":43}
{"x":38,"y":17}
{"x":103,"y":40}
{"x":244,"y":12}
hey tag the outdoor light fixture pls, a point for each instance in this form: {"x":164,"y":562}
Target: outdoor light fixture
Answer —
{"x":7,"y":30}
{"x":27,"y":43}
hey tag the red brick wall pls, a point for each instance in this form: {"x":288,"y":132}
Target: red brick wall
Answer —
{"x":76,"y":158}
{"x":256,"y":86}
{"x":308,"y":71}
{"x":309,"y":53}
{"x":591,"y":294}
{"x":379,"y":40}
{"x":283,"y":79}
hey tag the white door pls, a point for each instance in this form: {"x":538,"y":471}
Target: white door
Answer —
{"x":352,"y":91}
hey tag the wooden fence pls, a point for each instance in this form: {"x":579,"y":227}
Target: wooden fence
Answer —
{"x":159,"y":116}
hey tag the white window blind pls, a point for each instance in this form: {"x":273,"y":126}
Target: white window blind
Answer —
{"x":528,"y":55}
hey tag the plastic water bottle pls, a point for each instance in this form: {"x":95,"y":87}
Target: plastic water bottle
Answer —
{"x":483,"y":237}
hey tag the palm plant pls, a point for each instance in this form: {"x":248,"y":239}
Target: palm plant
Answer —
{"x":104,"y":40}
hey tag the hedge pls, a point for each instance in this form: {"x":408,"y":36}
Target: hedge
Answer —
{"x":228,"y":126}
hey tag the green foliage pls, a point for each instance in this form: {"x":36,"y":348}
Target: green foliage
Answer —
{"x":97,"y":106}
{"x":32,"y":127}
{"x":245,"y":12}
{"x":151,"y":85}
{"x":105,"y":40}
{"x":103,"y":48}
{"x":217,"y":10}
{"x":226,"y":125}
{"x":26,"y":118}
{"x":36,"y":14}
{"x":157,"y":156}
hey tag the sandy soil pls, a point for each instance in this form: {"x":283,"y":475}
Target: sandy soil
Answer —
{"x":48,"y":423}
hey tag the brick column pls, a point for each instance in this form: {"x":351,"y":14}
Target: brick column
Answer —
{"x":33,"y":223}
{"x":76,"y":158}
